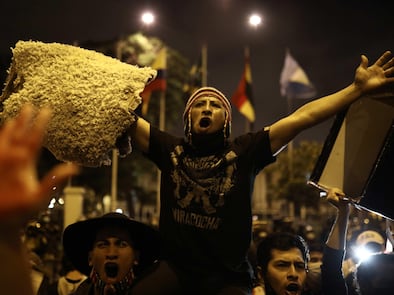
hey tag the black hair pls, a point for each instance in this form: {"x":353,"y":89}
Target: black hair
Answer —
{"x":374,"y":275}
{"x":281,"y":241}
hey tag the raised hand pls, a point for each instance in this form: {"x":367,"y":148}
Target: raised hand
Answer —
{"x":21,"y":192}
{"x":379,"y":74}
{"x":338,"y":199}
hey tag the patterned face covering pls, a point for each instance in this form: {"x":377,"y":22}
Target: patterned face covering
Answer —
{"x":119,"y":288}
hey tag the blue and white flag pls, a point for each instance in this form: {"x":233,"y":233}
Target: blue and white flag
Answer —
{"x":294,"y":83}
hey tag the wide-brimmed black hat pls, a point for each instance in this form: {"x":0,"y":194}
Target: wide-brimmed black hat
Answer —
{"x":78,"y":239}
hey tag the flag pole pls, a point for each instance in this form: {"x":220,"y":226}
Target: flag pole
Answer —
{"x":162,"y":115}
{"x":290,"y":144}
{"x":248,"y":124}
{"x":204,"y":65}
{"x":162,"y":121}
{"x":115,"y":159}
{"x":292,"y":73}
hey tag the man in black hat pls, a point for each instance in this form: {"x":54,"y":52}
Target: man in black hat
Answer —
{"x":112,"y":250}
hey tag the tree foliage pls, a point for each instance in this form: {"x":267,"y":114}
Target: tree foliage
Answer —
{"x":292,"y":185}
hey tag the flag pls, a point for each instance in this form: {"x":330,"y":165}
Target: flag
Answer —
{"x":194,"y":79}
{"x":294,"y":83}
{"x":159,"y":83}
{"x":242,"y":98}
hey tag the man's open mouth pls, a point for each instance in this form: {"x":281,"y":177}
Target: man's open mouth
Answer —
{"x":293,"y":287}
{"x":111,"y":269}
{"x":205,"y":122}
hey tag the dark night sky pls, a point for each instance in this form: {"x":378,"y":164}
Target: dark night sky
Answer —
{"x":325,"y":37}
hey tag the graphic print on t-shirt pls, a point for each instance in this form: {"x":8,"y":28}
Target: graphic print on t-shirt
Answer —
{"x":202,"y":182}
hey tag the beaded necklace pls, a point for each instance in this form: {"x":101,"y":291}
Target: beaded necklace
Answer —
{"x":119,"y":288}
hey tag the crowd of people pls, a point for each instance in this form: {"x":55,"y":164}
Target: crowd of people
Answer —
{"x":205,"y":226}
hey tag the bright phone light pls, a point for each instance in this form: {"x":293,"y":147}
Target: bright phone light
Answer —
{"x":363,"y":253}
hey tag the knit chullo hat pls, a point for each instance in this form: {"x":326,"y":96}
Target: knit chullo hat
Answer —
{"x":207,"y":92}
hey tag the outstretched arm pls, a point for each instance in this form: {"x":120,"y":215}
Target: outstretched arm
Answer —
{"x":22,"y":193}
{"x":139,"y":133}
{"x":368,"y":79}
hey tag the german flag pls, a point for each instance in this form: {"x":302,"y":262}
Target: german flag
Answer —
{"x":242,"y":98}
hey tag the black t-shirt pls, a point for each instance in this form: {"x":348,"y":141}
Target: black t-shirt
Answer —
{"x":205,"y":211}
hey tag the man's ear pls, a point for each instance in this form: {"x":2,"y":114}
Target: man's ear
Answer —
{"x":260,"y":274}
{"x":90,"y":259}
{"x":136,"y":257}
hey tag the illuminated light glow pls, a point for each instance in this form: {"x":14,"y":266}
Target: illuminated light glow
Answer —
{"x":148,"y":18}
{"x":119,"y":210}
{"x":363,"y":253}
{"x":54,"y":188}
{"x":52,"y":203}
{"x":389,"y":247}
{"x":61,"y":201}
{"x":255,"y":20}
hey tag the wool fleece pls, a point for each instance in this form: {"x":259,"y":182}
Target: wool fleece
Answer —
{"x":92,"y":97}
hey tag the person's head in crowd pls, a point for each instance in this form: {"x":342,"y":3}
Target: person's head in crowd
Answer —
{"x":308,"y":232}
{"x":35,"y":238}
{"x":368,"y":242}
{"x":375,"y":275}
{"x":313,"y":281}
{"x":282,"y":263}
{"x":69,"y":278}
{"x":260,"y":230}
{"x":196,"y":120}
{"x":112,"y":250}
{"x":316,"y":254}
{"x":66,"y":266}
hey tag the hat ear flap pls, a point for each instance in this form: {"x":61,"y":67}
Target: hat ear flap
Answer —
{"x":227,"y":127}
{"x":228,"y":130}
{"x":187,"y":128}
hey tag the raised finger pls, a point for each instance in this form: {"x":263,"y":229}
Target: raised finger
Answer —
{"x":388,"y":64}
{"x":388,"y":73}
{"x":383,"y":58}
{"x":37,"y":131}
{"x":17,"y":128}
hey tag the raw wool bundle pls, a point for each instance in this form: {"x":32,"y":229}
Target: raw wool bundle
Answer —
{"x":92,"y":97}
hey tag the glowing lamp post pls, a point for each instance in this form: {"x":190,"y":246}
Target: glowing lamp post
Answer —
{"x":147,"y":18}
{"x":255,"y":20}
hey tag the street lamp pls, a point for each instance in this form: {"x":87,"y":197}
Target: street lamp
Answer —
{"x":255,"y":20}
{"x":147,"y":18}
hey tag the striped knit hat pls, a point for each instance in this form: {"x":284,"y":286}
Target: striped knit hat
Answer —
{"x":207,"y":92}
